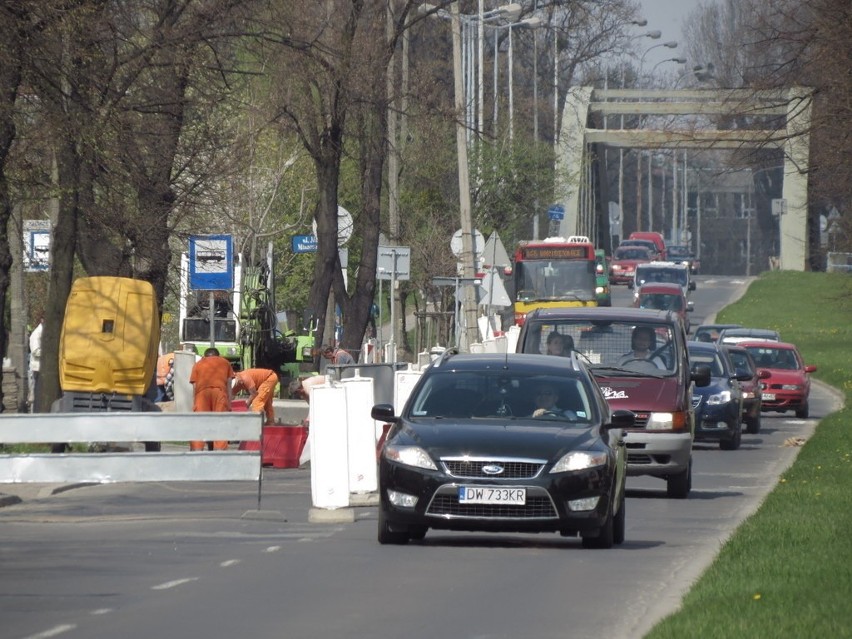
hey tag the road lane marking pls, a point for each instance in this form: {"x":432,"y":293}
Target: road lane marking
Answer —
{"x":53,"y":632}
{"x":173,"y":584}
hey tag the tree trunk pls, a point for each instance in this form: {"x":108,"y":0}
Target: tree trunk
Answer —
{"x":62,"y":247}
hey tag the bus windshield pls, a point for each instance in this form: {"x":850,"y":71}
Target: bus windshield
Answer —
{"x":550,"y":280}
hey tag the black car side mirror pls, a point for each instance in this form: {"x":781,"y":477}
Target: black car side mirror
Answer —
{"x":701,"y":375}
{"x":622,"y":419}
{"x":384,"y":413}
{"x":691,"y":285}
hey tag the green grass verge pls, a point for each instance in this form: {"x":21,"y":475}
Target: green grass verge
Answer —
{"x":787,"y":571}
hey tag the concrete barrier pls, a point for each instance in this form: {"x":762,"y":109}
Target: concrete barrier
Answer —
{"x":170,"y":464}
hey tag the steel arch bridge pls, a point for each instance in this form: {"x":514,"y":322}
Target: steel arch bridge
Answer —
{"x":574,"y":163}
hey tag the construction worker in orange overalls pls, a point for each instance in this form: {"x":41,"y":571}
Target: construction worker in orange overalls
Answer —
{"x":260,"y":385}
{"x":211,"y":380}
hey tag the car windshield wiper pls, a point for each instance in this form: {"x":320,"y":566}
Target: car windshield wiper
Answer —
{"x":618,"y":371}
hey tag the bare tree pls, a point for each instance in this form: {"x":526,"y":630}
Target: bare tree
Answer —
{"x":113,"y":83}
{"x":783,"y":44}
{"x":332,"y":60}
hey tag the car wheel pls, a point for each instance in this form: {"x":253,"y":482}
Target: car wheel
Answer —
{"x":605,"y":536}
{"x":734,"y":442}
{"x":678,"y":486}
{"x":753,"y":424}
{"x":619,"y":524}
{"x":388,"y":536}
{"x":802,"y":412}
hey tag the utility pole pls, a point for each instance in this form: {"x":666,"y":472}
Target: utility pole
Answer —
{"x":467,"y":257}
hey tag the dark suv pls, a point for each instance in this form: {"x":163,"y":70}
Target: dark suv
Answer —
{"x":639,"y":359}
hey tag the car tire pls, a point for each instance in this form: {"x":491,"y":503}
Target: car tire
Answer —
{"x":753,"y":424}
{"x":619,"y":524}
{"x":388,"y":536}
{"x":803,"y":411}
{"x":605,"y":536}
{"x":679,"y":485}
{"x":734,"y":442}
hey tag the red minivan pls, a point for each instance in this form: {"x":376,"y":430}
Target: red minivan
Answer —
{"x":640,"y":360}
{"x":655,"y":237}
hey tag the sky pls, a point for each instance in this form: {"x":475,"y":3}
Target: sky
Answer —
{"x":666,"y":16}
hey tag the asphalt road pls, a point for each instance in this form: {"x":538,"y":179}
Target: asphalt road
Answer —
{"x":227,"y":559}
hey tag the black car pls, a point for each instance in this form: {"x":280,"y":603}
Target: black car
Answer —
{"x":718,"y":406}
{"x":504,"y":443}
{"x":683,"y":254}
{"x":744,"y":364}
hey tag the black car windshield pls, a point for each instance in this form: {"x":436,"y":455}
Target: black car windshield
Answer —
{"x":498,"y":394}
{"x":679,"y":251}
{"x":741,"y":362}
{"x":717,"y":369}
{"x":643,"y":349}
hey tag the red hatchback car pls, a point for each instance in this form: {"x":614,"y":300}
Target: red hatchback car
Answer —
{"x":664,"y":296}
{"x":789,"y":384}
{"x":622,"y":267}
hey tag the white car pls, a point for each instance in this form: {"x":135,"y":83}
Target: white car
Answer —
{"x":663,"y":272}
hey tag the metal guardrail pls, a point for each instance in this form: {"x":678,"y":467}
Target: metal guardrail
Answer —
{"x":838,"y":263}
{"x":170,"y":464}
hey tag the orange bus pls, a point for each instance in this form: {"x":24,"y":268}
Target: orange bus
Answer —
{"x":554,"y":272}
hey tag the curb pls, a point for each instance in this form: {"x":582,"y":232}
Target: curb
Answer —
{"x":9,"y":500}
{"x":35,"y":491}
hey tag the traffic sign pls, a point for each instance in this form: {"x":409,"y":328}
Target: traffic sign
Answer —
{"x":478,"y":243}
{"x":304,"y":243}
{"x":345,"y":226}
{"x":494,"y":253}
{"x":393,"y":263}
{"x":211,"y":262}
{"x":36,"y":245}
{"x":556,"y":212}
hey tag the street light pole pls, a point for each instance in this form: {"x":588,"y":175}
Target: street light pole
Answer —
{"x":671,"y":44}
{"x":467,"y":257}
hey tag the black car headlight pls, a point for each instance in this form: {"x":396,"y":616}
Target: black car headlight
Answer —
{"x":579,"y":460}
{"x":409,"y":456}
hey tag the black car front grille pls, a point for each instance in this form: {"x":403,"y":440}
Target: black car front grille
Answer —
{"x":696,"y":401}
{"x":473,"y":469}
{"x":447,"y":505}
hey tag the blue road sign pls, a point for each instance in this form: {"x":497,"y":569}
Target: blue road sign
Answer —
{"x":304,"y":243}
{"x":556,"y":212}
{"x":211,"y":262}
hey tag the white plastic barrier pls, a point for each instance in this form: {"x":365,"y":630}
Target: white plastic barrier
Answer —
{"x":495,"y":344}
{"x":361,"y":435}
{"x":329,"y":452}
{"x":404,"y":382}
{"x":512,"y":336}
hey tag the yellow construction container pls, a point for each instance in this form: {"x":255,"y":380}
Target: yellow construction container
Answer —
{"x":109,"y":337}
